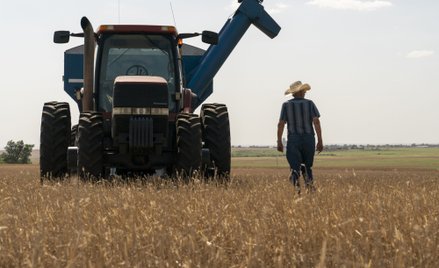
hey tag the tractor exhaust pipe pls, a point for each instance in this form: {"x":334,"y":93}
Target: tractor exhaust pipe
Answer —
{"x":89,"y":55}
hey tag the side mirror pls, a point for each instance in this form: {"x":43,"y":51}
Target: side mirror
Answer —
{"x":61,"y":37}
{"x":209,"y":37}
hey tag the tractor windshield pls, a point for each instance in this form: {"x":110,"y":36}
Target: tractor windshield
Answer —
{"x":134,"y":54}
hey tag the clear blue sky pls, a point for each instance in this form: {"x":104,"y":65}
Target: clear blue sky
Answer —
{"x":372,"y":65}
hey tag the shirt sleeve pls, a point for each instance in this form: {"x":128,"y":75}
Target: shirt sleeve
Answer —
{"x":314,"y":111}
{"x":283,"y":112}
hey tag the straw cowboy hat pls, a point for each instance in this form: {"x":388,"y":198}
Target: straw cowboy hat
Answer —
{"x":296,"y":87}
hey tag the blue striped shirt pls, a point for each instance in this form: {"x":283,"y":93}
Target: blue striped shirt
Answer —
{"x":299,"y":114}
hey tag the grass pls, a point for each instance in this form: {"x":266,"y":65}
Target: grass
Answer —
{"x":401,"y":158}
{"x":365,"y":217}
{"x":255,"y":152}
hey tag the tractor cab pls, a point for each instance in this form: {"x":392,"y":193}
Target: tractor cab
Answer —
{"x":132,"y":50}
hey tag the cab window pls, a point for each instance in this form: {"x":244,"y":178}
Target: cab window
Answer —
{"x":134,"y":54}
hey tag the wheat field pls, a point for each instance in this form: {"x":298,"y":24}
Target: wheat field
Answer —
{"x":357,"y":218}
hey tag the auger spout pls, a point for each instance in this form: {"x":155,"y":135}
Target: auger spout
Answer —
{"x":249,"y":12}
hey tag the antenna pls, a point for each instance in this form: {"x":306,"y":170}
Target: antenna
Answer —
{"x":172,"y":10}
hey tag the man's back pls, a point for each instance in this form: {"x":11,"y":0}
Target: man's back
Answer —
{"x":299,"y":114}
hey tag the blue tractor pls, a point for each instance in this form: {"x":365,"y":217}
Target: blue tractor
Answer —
{"x":136,"y":99}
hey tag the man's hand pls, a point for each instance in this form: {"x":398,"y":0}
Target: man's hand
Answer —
{"x":280,"y":146}
{"x":280,"y":130}
{"x":319,"y":147}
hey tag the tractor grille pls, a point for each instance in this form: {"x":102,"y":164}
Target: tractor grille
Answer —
{"x":140,"y":133}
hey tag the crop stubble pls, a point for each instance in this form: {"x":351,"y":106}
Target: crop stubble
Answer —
{"x":356,"y":218}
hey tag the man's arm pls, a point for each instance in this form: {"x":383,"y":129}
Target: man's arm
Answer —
{"x":318,"y":128}
{"x":280,"y":131}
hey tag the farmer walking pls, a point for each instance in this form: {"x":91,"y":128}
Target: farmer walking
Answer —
{"x":300,"y":115}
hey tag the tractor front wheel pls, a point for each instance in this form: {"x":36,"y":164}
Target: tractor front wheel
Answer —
{"x":74,"y":135}
{"x":188,"y":144}
{"x":90,"y":146}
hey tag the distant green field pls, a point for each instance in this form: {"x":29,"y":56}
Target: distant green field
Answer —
{"x":254,"y":152}
{"x":397,"y":158}
{"x":394,"y":158}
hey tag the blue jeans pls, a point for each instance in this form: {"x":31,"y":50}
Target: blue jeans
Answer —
{"x":300,"y":150}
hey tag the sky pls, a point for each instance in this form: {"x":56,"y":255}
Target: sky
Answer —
{"x":372,"y":64}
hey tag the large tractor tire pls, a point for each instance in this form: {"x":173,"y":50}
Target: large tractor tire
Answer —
{"x":189,"y":144}
{"x":74,"y":135}
{"x":216,"y":137}
{"x":54,"y":140}
{"x":90,"y":146}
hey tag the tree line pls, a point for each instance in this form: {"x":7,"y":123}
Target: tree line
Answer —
{"x":17,"y":153}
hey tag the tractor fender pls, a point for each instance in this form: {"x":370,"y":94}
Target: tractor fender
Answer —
{"x":189,"y":99}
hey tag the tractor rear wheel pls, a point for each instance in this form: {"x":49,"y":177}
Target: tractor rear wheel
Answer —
{"x":54,"y":140}
{"x":90,"y":146}
{"x":188,"y":144}
{"x":216,"y":137}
